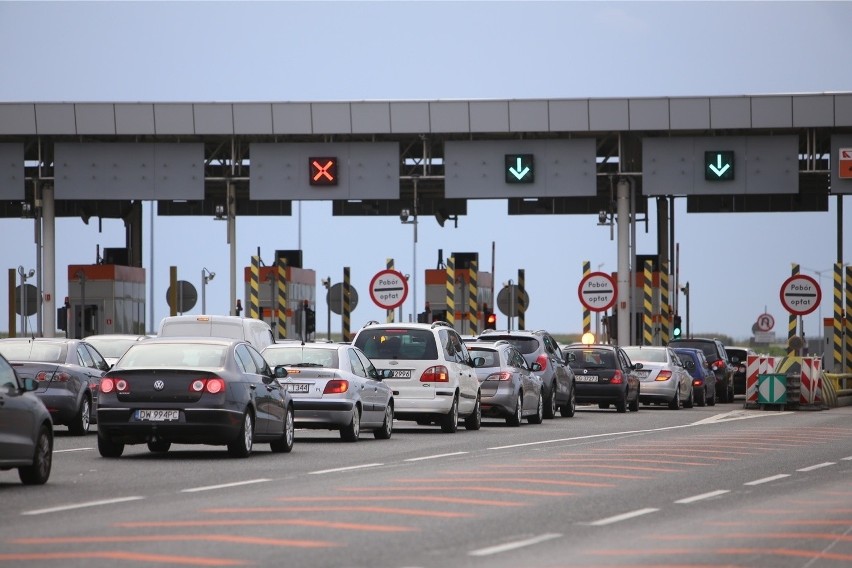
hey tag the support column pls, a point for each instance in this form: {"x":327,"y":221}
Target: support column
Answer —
{"x":48,"y":281}
{"x":587,"y":313}
{"x":791,"y":323}
{"x":624,"y":308}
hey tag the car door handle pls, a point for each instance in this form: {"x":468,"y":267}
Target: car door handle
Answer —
{"x":253,"y":387}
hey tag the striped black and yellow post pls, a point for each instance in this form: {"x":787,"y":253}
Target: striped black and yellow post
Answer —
{"x":587,"y":313}
{"x":347,"y":296}
{"x":451,"y":291}
{"x":648,"y":304}
{"x":254,"y":299}
{"x":522,"y":305}
{"x":282,"y":297}
{"x":665,"y":312}
{"x":472,"y":297}
{"x":848,"y":319}
{"x":791,"y":322}
{"x":390,"y":312}
{"x":837,"y":322}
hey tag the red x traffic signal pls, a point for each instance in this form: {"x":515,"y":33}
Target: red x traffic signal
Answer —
{"x":323,"y":171}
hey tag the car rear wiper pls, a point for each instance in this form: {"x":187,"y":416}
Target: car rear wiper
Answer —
{"x":305,"y":365}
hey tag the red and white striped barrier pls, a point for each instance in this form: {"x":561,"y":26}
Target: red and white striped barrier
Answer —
{"x":819,"y":398}
{"x":806,"y":393}
{"x":755,"y":365}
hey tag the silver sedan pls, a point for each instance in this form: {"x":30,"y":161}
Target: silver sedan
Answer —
{"x":509,"y":387}
{"x":334,"y":387}
{"x":663,"y":377}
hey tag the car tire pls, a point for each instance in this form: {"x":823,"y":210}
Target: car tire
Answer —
{"x":450,"y":421}
{"x":474,"y":421}
{"x":731,"y":394}
{"x":621,"y":405}
{"x":242,"y":446}
{"x":569,"y":408}
{"x":712,"y":400}
{"x":538,"y":417}
{"x":515,"y":419}
{"x":285,"y":443}
{"x":80,"y":423}
{"x":39,"y":471}
{"x":702,"y":397}
{"x":675,"y":403}
{"x":159,"y":446}
{"x":633,"y":406}
{"x":690,"y":402}
{"x":109,"y":449}
{"x":385,"y":432}
{"x":352,"y":431}
{"x":550,"y":403}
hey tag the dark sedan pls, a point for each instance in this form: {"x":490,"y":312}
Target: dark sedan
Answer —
{"x":214,"y":391}
{"x":605,"y":375}
{"x":67,"y":372}
{"x":26,"y":430}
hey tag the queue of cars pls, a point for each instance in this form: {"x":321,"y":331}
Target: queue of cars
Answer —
{"x":197,"y":386}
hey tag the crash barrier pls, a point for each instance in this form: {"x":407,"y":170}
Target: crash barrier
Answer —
{"x":806,"y":386}
{"x":841,"y":385}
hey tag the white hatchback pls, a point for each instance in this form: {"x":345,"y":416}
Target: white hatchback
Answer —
{"x":431,"y":372}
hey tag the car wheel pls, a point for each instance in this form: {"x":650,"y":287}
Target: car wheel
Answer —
{"x":634,"y":404}
{"x":569,"y":408}
{"x":108,"y":448}
{"x":538,"y":417}
{"x":621,"y":405}
{"x":731,"y":394}
{"x":474,"y":421}
{"x":80,"y":423}
{"x":352,"y":431}
{"x":675,"y":402}
{"x":550,"y":403}
{"x":285,"y":443}
{"x":384,"y":433}
{"x":690,"y":402}
{"x":241,"y":447}
{"x":712,"y":400}
{"x":702,"y":397}
{"x":159,"y":446}
{"x":450,"y":421}
{"x":517,"y":415}
{"x":39,"y":471}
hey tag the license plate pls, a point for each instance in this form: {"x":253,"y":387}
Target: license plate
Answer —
{"x":158,"y":415}
{"x":401,"y":374}
{"x":643,"y":374}
{"x":298,"y":387}
{"x":587,"y":378}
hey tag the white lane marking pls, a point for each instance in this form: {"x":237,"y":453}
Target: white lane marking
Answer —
{"x":622,"y":517}
{"x":817,"y":466}
{"x":72,"y":450}
{"x":702,"y":497}
{"x":81,"y":505}
{"x":728,"y":416}
{"x":846,"y":459}
{"x":223,"y":485}
{"x":513,"y":545}
{"x":436,"y":456}
{"x":344,"y":468}
{"x":768,"y":479}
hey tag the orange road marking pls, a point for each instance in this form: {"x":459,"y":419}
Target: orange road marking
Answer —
{"x":510,"y":490}
{"x":839,"y":522}
{"x":635,"y":460}
{"x":362,"y":509}
{"x":178,"y":538}
{"x":267,"y":522}
{"x":672,"y":455}
{"x":524,"y":480}
{"x":456,"y":500}
{"x":603,"y":466}
{"x":781,"y":535}
{"x":658,"y":446}
{"x":512,"y":469}
{"x":813,"y":554}
{"x":120,"y":555}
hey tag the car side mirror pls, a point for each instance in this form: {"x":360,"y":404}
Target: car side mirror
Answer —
{"x":637,"y":366}
{"x":30,"y":384}
{"x":479,"y":361}
{"x":570,"y":358}
{"x":281,"y":372}
{"x":689,"y":365}
{"x":535,"y":367}
{"x":385,"y":374}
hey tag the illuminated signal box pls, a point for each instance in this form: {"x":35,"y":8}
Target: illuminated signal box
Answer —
{"x":323,"y":171}
{"x":518,"y":168}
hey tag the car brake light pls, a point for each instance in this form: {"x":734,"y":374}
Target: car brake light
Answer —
{"x":716,"y":365}
{"x":617,"y":378}
{"x":501,"y":376}
{"x":336,"y":386}
{"x":213,"y":385}
{"x":436,"y":374}
{"x":697,"y":382}
{"x":107,"y":385}
{"x":542,"y":360}
{"x":664,"y":375}
{"x":61,"y":376}
{"x":122,"y":386}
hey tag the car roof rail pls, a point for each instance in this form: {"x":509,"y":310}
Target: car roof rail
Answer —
{"x":440,"y":323}
{"x":371,"y":322}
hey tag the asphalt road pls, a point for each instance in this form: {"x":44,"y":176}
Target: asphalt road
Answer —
{"x":712,"y":486}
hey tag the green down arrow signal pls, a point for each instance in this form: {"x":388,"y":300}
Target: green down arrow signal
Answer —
{"x":519,"y":168}
{"x":719,"y":165}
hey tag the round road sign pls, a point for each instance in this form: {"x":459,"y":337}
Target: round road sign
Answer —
{"x":186,"y":296}
{"x":388,"y":289}
{"x":800,"y":294}
{"x":765,"y":322}
{"x":334,"y":298}
{"x":597,"y":291}
{"x":507,"y":300}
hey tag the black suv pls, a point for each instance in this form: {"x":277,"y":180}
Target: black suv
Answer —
{"x":557,"y":378}
{"x":738,"y":357}
{"x":717,"y":357}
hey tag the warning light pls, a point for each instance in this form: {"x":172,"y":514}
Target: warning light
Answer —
{"x":677,"y":330}
{"x":323,"y":171}
{"x":588,"y":338}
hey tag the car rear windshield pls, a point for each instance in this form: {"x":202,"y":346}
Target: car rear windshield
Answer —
{"x":174,"y":356}
{"x":526,"y":345}
{"x":492,"y":358}
{"x":593,"y":359}
{"x":646,"y":355}
{"x":395,"y":343}
{"x":708,"y":347}
{"x":302,"y":357}
{"x":33,"y":351}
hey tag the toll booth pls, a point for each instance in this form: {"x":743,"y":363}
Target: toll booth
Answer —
{"x":104,"y":298}
{"x":436,"y":294}
{"x":301,"y":292}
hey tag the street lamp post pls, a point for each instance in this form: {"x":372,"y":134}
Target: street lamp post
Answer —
{"x":326,"y":282}
{"x":403,"y":216}
{"x":206,"y":276}
{"x":25,"y":275}
{"x":685,"y":291}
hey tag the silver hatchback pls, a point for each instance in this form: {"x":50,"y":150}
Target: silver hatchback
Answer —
{"x":509,"y":387}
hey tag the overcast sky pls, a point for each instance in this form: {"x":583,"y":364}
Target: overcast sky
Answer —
{"x":352,"y":51}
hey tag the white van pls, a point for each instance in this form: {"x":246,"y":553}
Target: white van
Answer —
{"x":255,"y":331}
